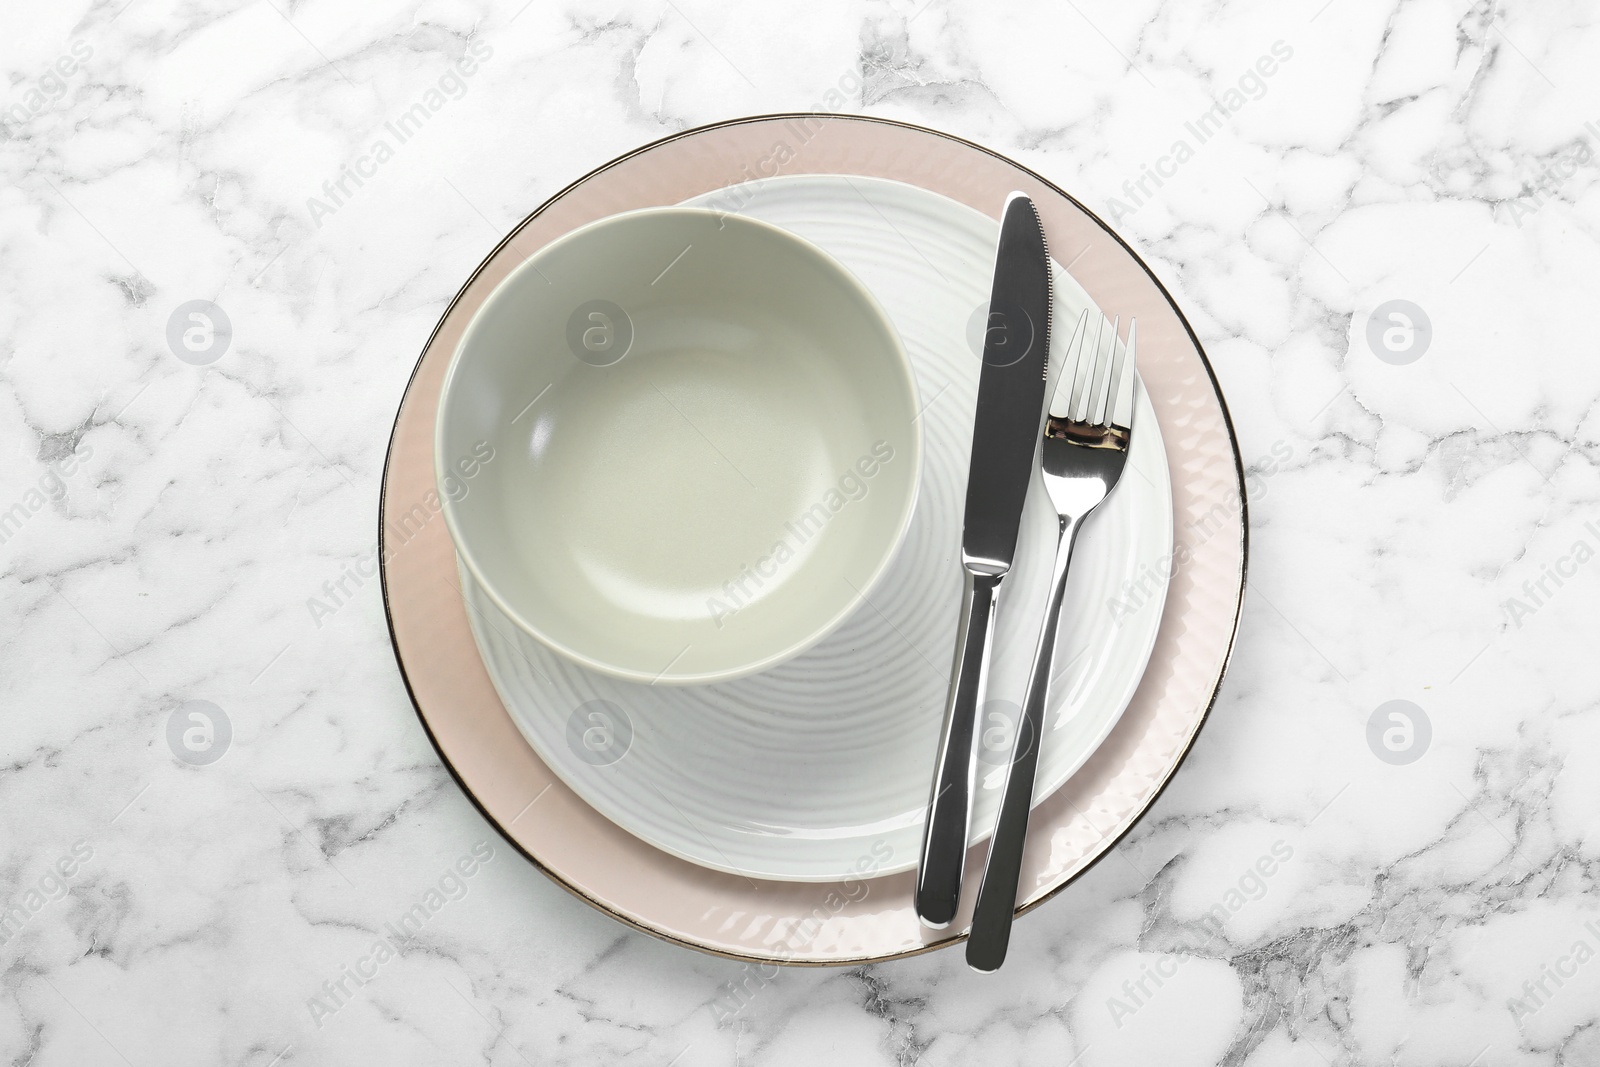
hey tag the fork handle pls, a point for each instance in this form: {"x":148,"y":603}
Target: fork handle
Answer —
{"x":997,"y":897}
{"x":944,"y":833}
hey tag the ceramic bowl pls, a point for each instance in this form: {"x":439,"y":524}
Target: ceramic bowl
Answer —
{"x":678,"y":446}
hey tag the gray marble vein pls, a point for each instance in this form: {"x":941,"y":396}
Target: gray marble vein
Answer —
{"x":1334,"y":878}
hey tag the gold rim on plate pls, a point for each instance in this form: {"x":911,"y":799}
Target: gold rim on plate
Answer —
{"x":761,"y":922}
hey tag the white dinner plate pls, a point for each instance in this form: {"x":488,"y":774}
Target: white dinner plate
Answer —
{"x":818,"y":769}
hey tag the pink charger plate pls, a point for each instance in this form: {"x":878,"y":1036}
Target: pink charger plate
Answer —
{"x":868,"y":918}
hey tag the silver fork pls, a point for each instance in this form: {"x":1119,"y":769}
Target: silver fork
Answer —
{"x":1084,"y":450}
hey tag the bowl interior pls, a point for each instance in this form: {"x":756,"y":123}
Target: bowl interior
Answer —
{"x":678,"y":446}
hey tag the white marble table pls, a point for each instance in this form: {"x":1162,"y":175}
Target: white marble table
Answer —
{"x":1313,"y":889}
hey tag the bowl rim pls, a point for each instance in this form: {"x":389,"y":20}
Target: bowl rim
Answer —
{"x":899,"y":359}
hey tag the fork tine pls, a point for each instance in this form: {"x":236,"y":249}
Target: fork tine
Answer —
{"x":1060,"y":400}
{"x":1104,"y":370}
{"x":1084,"y":377}
{"x":1120,"y":411}
{"x":1082,"y":368}
{"x":1105,"y":398}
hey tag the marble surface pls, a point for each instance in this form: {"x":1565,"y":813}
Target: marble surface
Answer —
{"x":215,"y":798}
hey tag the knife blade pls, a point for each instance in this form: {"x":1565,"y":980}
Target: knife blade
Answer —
{"x":1005,"y":440}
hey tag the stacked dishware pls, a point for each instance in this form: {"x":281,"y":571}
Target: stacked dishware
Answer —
{"x":727,"y":528}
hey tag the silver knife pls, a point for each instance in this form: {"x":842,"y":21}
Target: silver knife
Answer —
{"x":1005,"y":438}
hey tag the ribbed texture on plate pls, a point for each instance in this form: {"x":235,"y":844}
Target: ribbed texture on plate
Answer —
{"x":803,"y":770}
{"x":792,"y":922}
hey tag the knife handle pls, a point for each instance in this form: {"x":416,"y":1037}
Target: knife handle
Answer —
{"x":944,"y":833}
